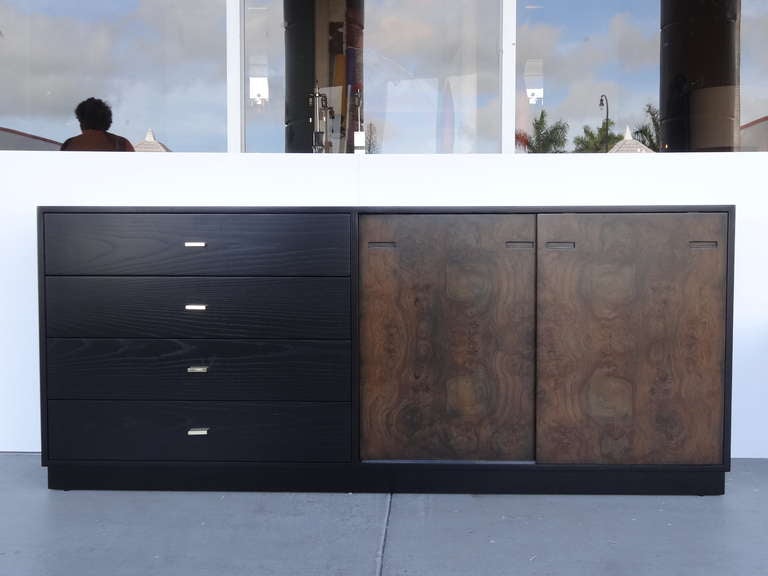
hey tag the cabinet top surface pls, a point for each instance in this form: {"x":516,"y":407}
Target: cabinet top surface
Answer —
{"x":730,"y":208}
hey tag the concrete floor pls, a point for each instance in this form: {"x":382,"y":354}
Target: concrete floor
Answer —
{"x":47,"y":533}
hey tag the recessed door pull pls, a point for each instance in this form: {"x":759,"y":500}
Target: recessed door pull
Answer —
{"x":198,"y":432}
{"x":198,"y":369}
{"x":561,"y":245}
{"x":195,"y":244}
{"x":520,"y":245}
{"x":382,"y":244}
{"x":201,"y":307}
{"x":702,"y":244}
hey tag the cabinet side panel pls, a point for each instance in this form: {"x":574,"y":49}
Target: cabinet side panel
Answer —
{"x":42,"y":335}
{"x":631,"y":338}
{"x":447,"y":336}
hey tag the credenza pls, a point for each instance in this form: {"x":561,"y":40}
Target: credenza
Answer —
{"x":479,"y":350}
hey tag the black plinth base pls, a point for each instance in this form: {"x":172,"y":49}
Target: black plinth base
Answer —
{"x":475,"y":478}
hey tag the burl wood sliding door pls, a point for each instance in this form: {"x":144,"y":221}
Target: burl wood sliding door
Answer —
{"x":631,"y":338}
{"x":447,"y":336}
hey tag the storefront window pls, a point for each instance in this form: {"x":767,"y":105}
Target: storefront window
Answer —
{"x":432,"y":76}
{"x":754,"y":76}
{"x":638,"y":76}
{"x":586,"y":76}
{"x":264,"y":76}
{"x":391,"y":76}
{"x":159,"y":64}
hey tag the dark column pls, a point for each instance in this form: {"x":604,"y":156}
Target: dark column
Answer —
{"x":299,"y":73}
{"x":699,"y":97}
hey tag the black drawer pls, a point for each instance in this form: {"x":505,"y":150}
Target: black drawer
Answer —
{"x":223,"y":431}
{"x":150,"y":307}
{"x":106,"y":368}
{"x":235,"y":244}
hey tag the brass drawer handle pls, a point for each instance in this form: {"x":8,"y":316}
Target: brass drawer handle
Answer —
{"x":195,"y":244}
{"x":198,"y":432}
{"x":197,"y":370}
{"x":201,"y":307}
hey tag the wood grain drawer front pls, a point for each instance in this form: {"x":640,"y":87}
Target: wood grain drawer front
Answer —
{"x":107,"y":368}
{"x":150,"y":307}
{"x":138,"y":430}
{"x":447,"y":336}
{"x":631,"y":338}
{"x":198,"y":244}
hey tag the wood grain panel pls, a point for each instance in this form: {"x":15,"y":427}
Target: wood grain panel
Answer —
{"x":447,"y":336}
{"x":151,"y":307}
{"x":236,"y":244}
{"x":140,"y":430}
{"x":109,"y":368}
{"x":631,"y":338}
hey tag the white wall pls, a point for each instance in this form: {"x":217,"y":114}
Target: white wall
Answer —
{"x":29,"y":179}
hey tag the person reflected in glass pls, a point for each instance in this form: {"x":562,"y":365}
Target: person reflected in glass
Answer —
{"x":95,"y":117}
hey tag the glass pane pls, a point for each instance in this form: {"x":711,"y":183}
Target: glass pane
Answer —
{"x":160,"y":64}
{"x":432,"y":76}
{"x":264,"y":76}
{"x":754,"y":75}
{"x":587,"y":77}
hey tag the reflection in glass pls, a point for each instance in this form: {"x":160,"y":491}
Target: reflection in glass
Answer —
{"x":323,"y":40}
{"x":265,"y":76}
{"x":161,"y":65}
{"x":432,"y":82}
{"x":754,"y":75}
{"x":567,"y":59}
